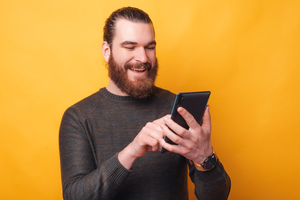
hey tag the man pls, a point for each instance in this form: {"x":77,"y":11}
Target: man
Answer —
{"x":110,"y":141}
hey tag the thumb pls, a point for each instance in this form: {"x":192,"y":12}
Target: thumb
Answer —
{"x":206,"y":119}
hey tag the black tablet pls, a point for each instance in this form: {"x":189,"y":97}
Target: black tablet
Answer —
{"x":194,"y":102}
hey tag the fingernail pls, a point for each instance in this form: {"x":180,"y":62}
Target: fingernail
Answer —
{"x":162,"y":126}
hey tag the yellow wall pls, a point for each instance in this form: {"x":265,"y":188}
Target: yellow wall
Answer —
{"x":244,"y":52}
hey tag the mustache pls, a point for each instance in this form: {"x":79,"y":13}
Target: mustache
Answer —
{"x":147,"y":66}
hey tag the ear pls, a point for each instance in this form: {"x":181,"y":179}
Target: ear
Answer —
{"x":105,"y":51}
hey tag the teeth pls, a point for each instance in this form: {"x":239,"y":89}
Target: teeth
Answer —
{"x":138,"y":69}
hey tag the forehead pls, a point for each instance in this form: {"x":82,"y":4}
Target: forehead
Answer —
{"x":138,"y":32}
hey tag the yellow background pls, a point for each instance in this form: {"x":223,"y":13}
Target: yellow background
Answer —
{"x":244,"y":52}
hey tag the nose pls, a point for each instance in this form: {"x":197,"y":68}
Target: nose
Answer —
{"x":141,"y":55}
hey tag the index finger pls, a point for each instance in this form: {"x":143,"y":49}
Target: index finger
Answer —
{"x":160,"y":120}
{"x":188,"y":117}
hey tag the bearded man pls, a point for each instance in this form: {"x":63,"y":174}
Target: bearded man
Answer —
{"x":110,"y":141}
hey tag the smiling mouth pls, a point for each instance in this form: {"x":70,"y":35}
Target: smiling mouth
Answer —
{"x":142,"y":69}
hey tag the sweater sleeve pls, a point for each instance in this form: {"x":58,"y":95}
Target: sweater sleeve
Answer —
{"x":210,"y":185}
{"x":82,"y":177}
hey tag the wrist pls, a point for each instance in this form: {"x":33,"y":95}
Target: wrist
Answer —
{"x":208,"y":163}
{"x":126,"y":157}
{"x":200,"y":159}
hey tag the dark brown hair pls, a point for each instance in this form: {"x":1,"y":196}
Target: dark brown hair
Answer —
{"x":129,"y":13}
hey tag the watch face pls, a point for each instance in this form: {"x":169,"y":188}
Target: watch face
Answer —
{"x":210,"y":162}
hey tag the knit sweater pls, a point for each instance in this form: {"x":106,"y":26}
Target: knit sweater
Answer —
{"x":96,"y":129}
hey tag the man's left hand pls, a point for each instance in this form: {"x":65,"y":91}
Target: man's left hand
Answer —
{"x":194,"y":143}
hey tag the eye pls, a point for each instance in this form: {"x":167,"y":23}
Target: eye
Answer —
{"x":129,"y":47}
{"x":150,"y":47}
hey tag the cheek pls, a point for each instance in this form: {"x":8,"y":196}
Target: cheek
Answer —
{"x":152,"y":57}
{"x":124,"y":57}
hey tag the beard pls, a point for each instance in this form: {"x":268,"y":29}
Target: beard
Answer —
{"x":139,"y":87}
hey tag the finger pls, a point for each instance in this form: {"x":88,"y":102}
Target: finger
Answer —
{"x":153,"y":144}
{"x":171,"y":135}
{"x":158,"y":121}
{"x":150,"y":138}
{"x":170,"y":147}
{"x":179,"y":130}
{"x":154,"y":130}
{"x":188,"y":117}
{"x":161,"y":120}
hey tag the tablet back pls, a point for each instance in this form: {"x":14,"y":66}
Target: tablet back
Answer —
{"x":194,"y":102}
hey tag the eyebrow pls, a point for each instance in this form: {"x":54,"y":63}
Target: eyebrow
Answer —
{"x":135,"y":43}
{"x":153,"y":42}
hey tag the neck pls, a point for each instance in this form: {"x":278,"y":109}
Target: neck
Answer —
{"x":112,"y":88}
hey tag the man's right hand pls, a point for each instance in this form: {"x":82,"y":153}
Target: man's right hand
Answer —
{"x":146,"y":140}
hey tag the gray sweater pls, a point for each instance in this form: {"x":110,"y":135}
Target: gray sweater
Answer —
{"x":96,"y":129}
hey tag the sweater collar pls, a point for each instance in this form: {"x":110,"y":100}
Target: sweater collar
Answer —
{"x":106,"y":93}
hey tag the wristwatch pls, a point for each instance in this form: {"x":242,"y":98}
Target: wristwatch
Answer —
{"x":208,"y":163}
